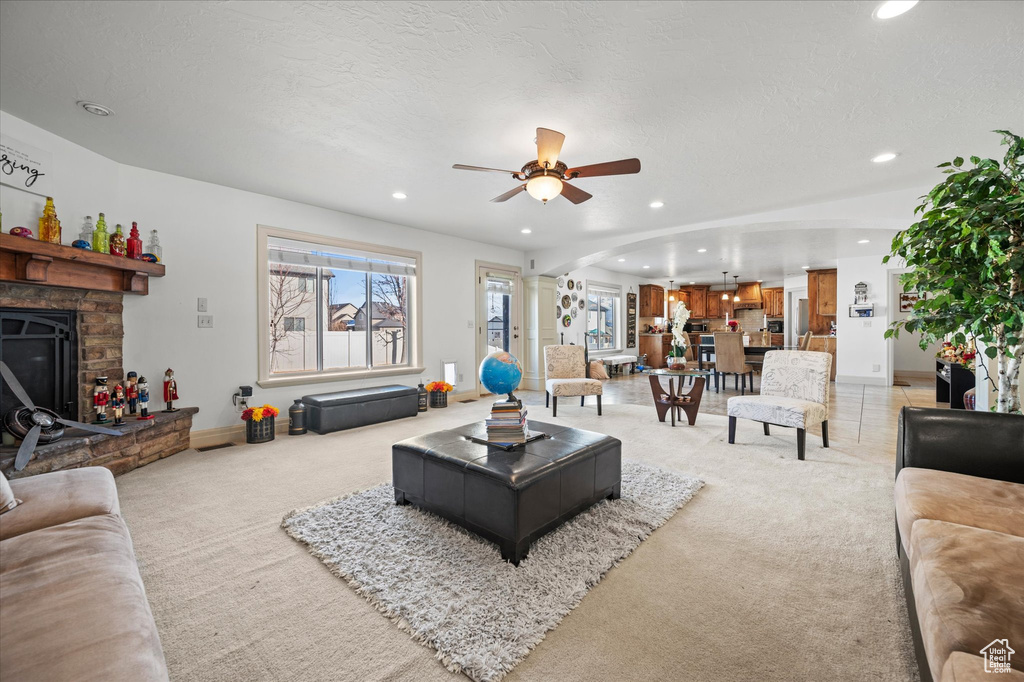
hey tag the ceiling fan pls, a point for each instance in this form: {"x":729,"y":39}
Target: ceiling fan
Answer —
{"x":546,"y":177}
{"x":36,"y":424}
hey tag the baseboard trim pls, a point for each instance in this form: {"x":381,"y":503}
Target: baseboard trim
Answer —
{"x":913,"y":374}
{"x":867,"y":381}
{"x":219,"y":435}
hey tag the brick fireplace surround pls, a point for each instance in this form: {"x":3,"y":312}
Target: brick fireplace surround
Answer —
{"x":100,"y":335}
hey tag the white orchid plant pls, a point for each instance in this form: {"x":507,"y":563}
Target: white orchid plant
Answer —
{"x":680,"y":339}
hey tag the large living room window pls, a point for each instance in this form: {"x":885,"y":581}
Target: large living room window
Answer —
{"x":602,"y":316}
{"x":333,"y":309}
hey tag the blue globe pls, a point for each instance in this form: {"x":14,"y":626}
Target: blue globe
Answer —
{"x":500,"y":372}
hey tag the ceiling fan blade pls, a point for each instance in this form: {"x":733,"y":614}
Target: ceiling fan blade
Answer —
{"x":509,"y":194}
{"x":549,"y":146}
{"x":95,"y":428}
{"x":460,"y":166}
{"x":15,"y":385}
{"x":28,"y":446}
{"x":575,"y":194}
{"x":623,"y":167}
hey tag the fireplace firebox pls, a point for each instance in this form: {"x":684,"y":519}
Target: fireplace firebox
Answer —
{"x":41,"y":348}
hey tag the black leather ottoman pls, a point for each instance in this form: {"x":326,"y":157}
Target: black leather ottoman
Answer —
{"x":508,"y":497}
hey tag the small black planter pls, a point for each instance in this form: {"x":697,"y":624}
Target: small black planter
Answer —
{"x":438,"y":399}
{"x":261,"y":431}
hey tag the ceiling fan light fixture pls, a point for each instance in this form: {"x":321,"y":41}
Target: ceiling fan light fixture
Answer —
{"x":544,"y":188}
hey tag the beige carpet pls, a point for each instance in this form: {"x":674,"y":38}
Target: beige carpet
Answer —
{"x":778,"y":570}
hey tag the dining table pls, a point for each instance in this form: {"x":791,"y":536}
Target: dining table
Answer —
{"x":706,"y":350}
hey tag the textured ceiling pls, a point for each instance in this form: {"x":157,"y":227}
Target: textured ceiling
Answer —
{"x":732,"y":107}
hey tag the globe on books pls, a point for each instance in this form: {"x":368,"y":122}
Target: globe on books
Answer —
{"x":500,"y":372}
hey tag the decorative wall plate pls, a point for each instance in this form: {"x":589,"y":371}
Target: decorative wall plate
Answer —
{"x":558,"y":312}
{"x":566,"y":301}
{"x":561,"y":282}
{"x":566,"y":321}
{"x":574,"y":296}
{"x":575,"y":312}
{"x":581,"y":304}
{"x":579,"y":284}
{"x":570,"y":284}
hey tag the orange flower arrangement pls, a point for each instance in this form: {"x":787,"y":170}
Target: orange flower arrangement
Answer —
{"x":439,"y":387}
{"x":258,"y":413}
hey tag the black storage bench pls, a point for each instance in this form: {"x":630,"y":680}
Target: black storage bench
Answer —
{"x":327,"y":412}
{"x":510,"y":497}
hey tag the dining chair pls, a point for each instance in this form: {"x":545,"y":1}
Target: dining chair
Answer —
{"x":729,"y":359}
{"x":794,"y":393}
{"x":805,"y":341}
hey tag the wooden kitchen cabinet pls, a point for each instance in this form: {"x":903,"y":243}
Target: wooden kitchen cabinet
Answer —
{"x":652,"y":300}
{"x":656,"y":347}
{"x":698,"y":302}
{"x":826,"y":292}
{"x":773,"y":301}
{"x":712,"y":305}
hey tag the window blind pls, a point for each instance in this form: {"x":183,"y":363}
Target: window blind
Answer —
{"x":290,"y":252}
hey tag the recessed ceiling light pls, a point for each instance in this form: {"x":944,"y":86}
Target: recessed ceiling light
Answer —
{"x":805,"y":267}
{"x":622,"y":260}
{"x":97,"y":109}
{"x":647,"y":267}
{"x":526,"y":230}
{"x":398,"y":195}
{"x":657,"y":204}
{"x":759,"y":281}
{"x":692,"y":282}
{"x":893,"y":8}
{"x":702,"y":250}
{"x":882,"y":158}
{"x":863,"y":241}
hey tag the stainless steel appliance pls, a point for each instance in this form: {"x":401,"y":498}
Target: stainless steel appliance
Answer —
{"x":775,"y":326}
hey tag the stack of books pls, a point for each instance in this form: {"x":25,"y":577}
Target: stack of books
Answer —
{"x":507,"y":423}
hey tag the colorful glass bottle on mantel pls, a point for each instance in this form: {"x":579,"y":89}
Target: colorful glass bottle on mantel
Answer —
{"x":100,"y":236}
{"x":154,"y":246}
{"x":49,"y":226}
{"x":87,"y":229}
{"x":117,"y":245}
{"x":134,"y":243}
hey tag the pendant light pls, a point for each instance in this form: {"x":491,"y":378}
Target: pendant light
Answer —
{"x":736,"y":289}
{"x":671,"y":296}
{"x":725,"y":286}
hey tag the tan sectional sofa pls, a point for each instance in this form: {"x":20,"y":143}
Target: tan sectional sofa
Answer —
{"x":959,"y":500}
{"x":72,"y":603}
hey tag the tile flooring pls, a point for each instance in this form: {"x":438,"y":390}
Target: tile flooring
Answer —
{"x":865,"y":415}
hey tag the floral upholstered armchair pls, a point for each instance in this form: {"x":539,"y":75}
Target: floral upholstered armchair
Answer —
{"x":794,"y":393}
{"x":566,"y":375}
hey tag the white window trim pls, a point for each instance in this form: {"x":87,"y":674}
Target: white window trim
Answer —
{"x":266,"y":380}
{"x":607,"y":287}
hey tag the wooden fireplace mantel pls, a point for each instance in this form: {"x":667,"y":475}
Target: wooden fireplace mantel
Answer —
{"x":30,"y":261}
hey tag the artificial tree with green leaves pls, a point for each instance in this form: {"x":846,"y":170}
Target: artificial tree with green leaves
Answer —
{"x":967,"y":254}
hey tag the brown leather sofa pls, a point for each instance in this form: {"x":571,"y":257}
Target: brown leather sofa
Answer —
{"x":960,"y":537}
{"x":72,"y":603}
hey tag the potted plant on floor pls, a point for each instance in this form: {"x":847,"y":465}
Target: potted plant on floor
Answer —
{"x":967,"y":253}
{"x":439,"y":393}
{"x":259,"y":423}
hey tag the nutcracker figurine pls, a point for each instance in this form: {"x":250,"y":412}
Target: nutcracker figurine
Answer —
{"x":144,"y":399}
{"x":100,"y":398}
{"x":117,"y":401}
{"x":131,"y":391}
{"x":170,"y":390}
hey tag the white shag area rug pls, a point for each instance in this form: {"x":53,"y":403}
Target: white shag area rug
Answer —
{"x":451,"y":590}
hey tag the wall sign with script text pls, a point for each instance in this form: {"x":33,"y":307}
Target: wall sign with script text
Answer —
{"x":25,"y":167}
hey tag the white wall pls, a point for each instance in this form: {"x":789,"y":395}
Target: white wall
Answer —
{"x":907,"y":353}
{"x":208,"y":233}
{"x":861,"y":341}
{"x":576,"y":331}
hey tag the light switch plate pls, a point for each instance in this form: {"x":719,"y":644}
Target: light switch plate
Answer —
{"x":205,"y":321}
{"x":876,"y":368}
{"x":201,"y":305}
